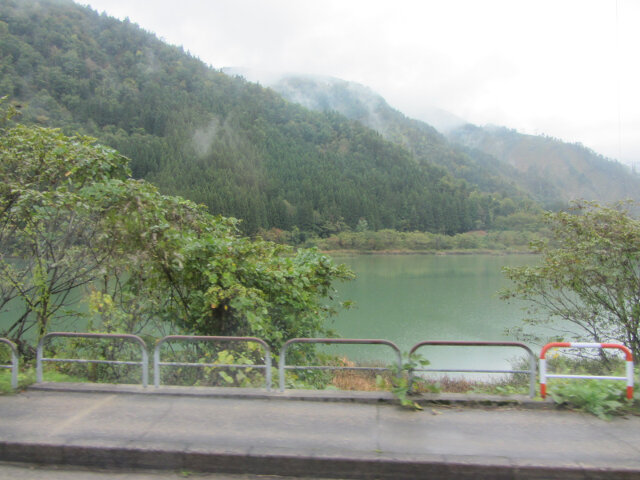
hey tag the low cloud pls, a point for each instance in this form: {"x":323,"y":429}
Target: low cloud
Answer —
{"x":203,"y":137}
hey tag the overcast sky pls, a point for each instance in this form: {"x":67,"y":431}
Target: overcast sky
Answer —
{"x":565,"y":68}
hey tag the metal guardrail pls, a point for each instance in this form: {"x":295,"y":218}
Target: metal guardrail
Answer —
{"x":144,"y":363}
{"x":548,"y":346}
{"x":282,"y":366}
{"x":532,"y":359}
{"x":198,"y":338}
{"x":14,"y":362}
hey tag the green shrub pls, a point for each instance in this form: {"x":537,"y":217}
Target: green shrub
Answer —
{"x":602,"y":398}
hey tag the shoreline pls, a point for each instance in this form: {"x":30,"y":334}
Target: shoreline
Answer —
{"x":497,"y":253}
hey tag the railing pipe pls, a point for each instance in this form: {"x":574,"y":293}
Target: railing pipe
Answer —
{"x":144,"y":363}
{"x":202,"y":338}
{"x":532,"y":359}
{"x":543,"y":364}
{"x":282,"y":366}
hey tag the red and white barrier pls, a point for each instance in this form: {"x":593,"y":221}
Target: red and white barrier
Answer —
{"x":543,"y":364}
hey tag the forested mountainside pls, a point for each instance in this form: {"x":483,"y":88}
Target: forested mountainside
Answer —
{"x":232,"y":145}
{"x":492,"y":159}
{"x":427,"y":145}
{"x":572,"y":170}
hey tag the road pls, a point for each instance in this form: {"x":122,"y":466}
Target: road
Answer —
{"x":292,"y":437}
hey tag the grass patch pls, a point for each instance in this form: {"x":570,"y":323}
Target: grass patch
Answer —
{"x":27,"y":377}
{"x":370,"y":380}
{"x":506,"y":385}
{"x":358,"y":380}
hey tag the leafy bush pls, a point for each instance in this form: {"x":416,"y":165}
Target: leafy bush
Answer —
{"x":399,"y":383}
{"x":586,"y":277}
{"x":599,"y":397}
{"x":207,"y":375}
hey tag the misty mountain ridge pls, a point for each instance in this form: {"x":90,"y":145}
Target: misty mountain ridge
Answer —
{"x":573,"y":170}
{"x":327,"y":95}
{"x":493,"y":157}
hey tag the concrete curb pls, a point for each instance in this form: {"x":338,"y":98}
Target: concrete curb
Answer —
{"x":269,"y":463}
{"x":446,"y":399}
{"x":117,"y":427}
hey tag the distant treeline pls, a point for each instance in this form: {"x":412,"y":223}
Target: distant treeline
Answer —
{"x":515,"y":235}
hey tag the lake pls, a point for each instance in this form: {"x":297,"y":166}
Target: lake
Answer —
{"x":411,"y":298}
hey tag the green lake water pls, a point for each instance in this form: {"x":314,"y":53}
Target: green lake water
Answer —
{"x":411,"y":298}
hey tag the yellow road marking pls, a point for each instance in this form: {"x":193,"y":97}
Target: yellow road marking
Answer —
{"x":84,"y":413}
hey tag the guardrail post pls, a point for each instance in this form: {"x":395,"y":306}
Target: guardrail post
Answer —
{"x":145,"y":367}
{"x":156,"y":364}
{"x":532,"y":376}
{"x":543,"y":365}
{"x":14,"y":361}
{"x":281,"y":365}
{"x":39,"y":360}
{"x":267,"y":362}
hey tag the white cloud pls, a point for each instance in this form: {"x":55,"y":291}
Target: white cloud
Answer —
{"x":565,"y":68}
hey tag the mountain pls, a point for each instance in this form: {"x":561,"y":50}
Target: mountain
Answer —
{"x":238,"y":148}
{"x":427,"y":145}
{"x":493,"y":159}
{"x":570,"y":170}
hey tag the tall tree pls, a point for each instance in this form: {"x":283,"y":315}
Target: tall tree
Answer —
{"x":588,"y":276}
{"x":51,"y":235}
{"x":71,"y":216}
